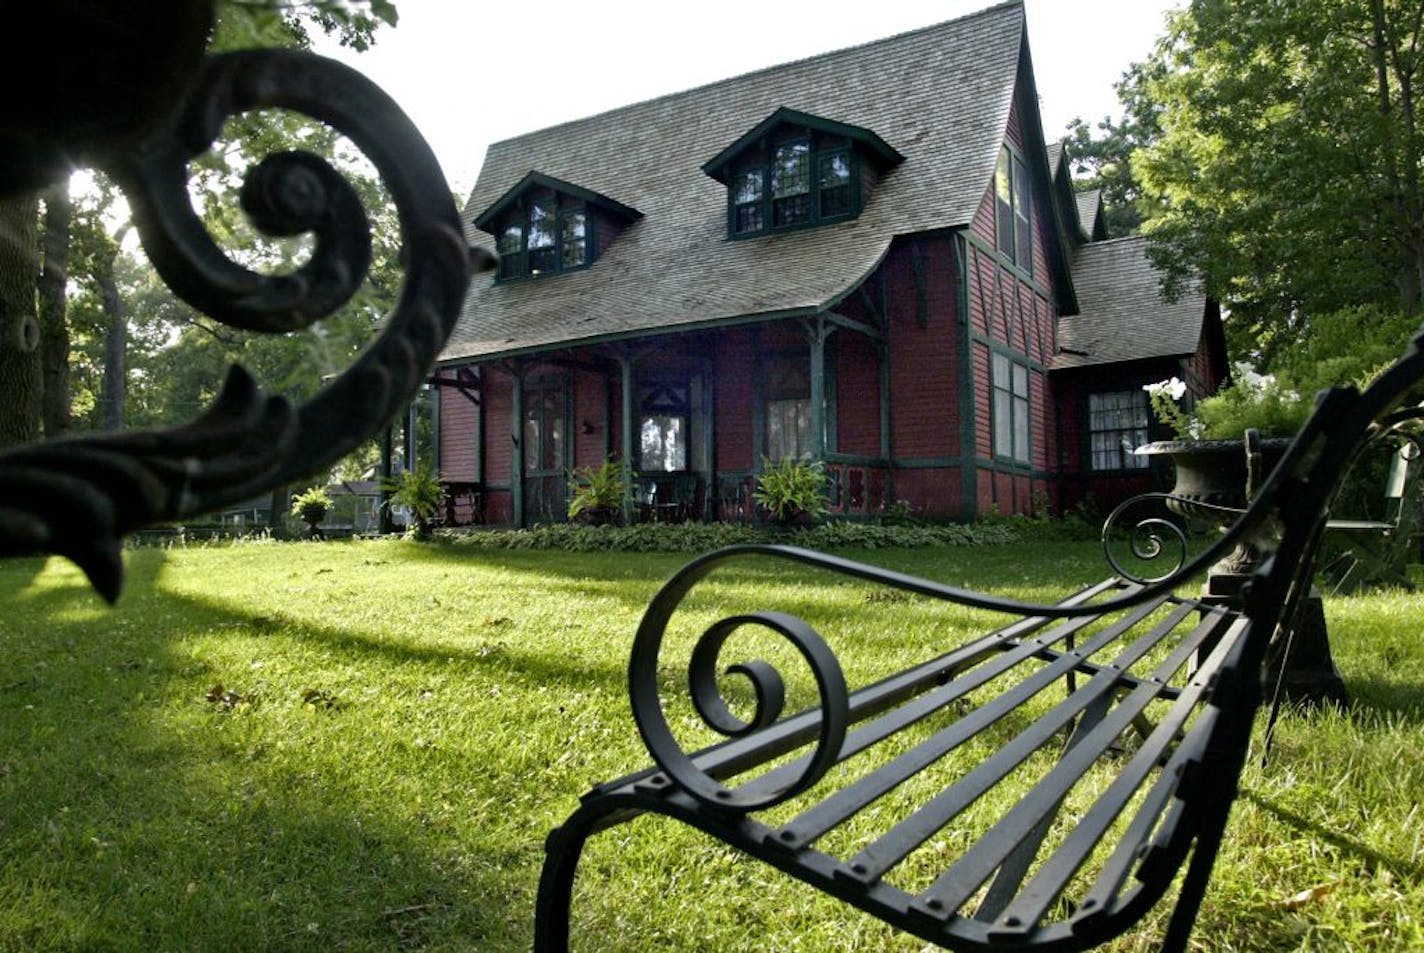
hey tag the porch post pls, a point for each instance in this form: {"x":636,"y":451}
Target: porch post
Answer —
{"x":625,"y":370}
{"x":882,"y":354}
{"x":516,"y":434}
{"x":816,"y":335}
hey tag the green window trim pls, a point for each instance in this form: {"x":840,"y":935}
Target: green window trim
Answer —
{"x":1010,"y":410}
{"x":1013,"y":211}
{"x":544,"y":234}
{"x":795,"y":183}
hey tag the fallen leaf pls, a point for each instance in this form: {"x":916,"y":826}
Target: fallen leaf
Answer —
{"x":1309,"y":895}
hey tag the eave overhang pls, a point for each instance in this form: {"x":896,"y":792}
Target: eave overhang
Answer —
{"x":877,"y":149}
{"x":539,"y":180}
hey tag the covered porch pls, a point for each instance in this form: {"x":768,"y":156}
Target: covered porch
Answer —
{"x":693,"y":416}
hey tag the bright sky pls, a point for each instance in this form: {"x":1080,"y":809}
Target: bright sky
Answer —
{"x":470,"y":73}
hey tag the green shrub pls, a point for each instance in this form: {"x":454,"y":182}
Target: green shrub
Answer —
{"x":791,"y":487}
{"x":703,"y":537}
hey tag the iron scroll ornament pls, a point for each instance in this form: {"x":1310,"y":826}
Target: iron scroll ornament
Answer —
{"x":79,"y":497}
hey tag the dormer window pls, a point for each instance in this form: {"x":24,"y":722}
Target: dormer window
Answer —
{"x":544,"y":227}
{"x":795,"y":171}
{"x":542,"y":235}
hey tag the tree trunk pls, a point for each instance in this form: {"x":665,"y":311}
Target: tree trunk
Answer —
{"x":21,"y":382}
{"x":54,"y":325}
{"x":281,"y":500}
{"x":114,"y":387}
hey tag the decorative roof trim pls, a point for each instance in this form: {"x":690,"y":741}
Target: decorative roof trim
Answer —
{"x":875,"y":147}
{"x":540,"y":180}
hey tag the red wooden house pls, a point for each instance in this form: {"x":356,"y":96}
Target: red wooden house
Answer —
{"x":870,"y":258}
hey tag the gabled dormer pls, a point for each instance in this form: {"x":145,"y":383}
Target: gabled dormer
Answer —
{"x":795,"y":170}
{"x":545,"y":226}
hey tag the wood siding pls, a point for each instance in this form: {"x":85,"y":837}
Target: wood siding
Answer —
{"x":590,"y":399}
{"x":498,"y":445}
{"x":734,"y":398}
{"x":923,"y":344}
{"x":1013,"y":314}
{"x":857,"y":375}
{"x":459,"y":433}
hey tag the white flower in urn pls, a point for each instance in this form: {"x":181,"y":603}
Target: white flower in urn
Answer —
{"x":1164,"y":397}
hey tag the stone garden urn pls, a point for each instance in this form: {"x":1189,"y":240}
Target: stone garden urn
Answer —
{"x":1214,"y":483}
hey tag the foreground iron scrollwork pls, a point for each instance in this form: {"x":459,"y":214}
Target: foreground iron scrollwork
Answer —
{"x":80,"y":497}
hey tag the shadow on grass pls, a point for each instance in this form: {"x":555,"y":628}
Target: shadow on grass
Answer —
{"x":1405,"y":869}
{"x":1394,"y":700}
{"x":138,"y":814}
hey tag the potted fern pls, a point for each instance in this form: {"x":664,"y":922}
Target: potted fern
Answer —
{"x":1209,"y":452}
{"x":599,"y":493}
{"x":420,"y":492}
{"x":792,"y":491}
{"x":311,"y":508}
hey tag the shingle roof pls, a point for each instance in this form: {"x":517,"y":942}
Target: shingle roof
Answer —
{"x":940,"y":96}
{"x":1123,"y":315}
{"x":1090,"y":206}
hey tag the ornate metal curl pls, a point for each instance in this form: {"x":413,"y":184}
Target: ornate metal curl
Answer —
{"x":1147,"y":539}
{"x":712,"y":708}
{"x":79,"y":497}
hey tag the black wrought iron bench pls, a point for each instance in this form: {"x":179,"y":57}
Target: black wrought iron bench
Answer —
{"x":963,"y":800}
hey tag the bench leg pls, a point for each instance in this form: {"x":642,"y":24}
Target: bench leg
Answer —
{"x":562,"y":850}
{"x":556,"y":886}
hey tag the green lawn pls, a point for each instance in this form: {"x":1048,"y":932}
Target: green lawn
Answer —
{"x":360,"y":746}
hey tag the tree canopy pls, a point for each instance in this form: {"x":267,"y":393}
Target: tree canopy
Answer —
{"x":1283,"y":172}
{"x":138,"y":356}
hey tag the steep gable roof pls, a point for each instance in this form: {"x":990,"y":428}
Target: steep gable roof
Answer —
{"x":539,"y":180}
{"x":939,"y":96}
{"x":1090,"y":214}
{"x":1123,"y":315}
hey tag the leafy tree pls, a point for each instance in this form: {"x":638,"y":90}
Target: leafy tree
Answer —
{"x":241,"y":23}
{"x":54,"y":326}
{"x":1103,"y":154}
{"x":1287,"y":170}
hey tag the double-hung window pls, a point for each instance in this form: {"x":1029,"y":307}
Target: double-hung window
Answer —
{"x":795,"y":184}
{"x":747,"y":196}
{"x":833,"y":184}
{"x":1117,"y":425}
{"x":1013,"y":210}
{"x":1011,"y":403}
